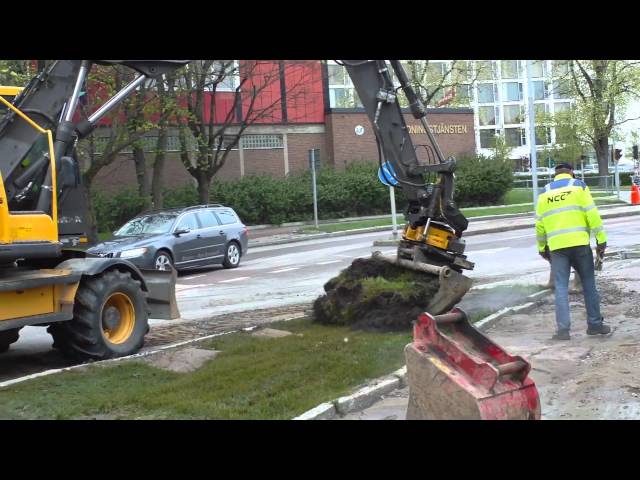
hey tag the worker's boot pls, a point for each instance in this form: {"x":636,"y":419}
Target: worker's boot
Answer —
{"x":561,"y":335}
{"x":600,"y":330}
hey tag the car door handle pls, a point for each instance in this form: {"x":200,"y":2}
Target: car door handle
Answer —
{"x":221,"y":232}
{"x":198,"y":236}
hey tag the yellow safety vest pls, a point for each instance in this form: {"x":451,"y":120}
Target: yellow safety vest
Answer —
{"x":566,"y":215}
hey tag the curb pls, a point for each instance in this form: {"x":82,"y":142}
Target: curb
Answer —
{"x":362,"y":398}
{"x":370,"y":394}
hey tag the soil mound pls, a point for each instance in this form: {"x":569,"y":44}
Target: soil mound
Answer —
{"x":373,"y":294}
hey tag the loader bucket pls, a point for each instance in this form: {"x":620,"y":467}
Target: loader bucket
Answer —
{"x":161,"y":296}
{"x":452,"y":285}
{"x":455,"y":372}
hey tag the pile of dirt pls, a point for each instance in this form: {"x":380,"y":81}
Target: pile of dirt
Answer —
{"x":372,"y":294}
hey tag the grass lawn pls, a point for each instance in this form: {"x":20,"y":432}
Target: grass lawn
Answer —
{"x":253,"y":378}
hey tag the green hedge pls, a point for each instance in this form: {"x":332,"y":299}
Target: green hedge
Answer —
{"x":482,"y":180}
{"x":356,"y":191}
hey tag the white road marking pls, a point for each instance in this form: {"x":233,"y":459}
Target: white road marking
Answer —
{"x":234,"y":280}
{"x":180,"y":287}
{"x":330,"y":261}
{"x":490,"y":250}
{"x":195,"y":276}
{"x":285,"y":270}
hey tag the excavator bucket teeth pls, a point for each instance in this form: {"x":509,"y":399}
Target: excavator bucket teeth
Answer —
{"x":457,"y":373}
{"x":161,"y":297}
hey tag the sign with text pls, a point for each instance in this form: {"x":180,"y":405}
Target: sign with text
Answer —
{"x":439,"y":129}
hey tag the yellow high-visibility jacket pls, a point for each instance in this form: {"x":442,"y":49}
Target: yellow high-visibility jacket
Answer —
{"x":566,"y":215}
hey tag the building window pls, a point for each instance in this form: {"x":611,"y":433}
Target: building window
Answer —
{"x":342,"y":94}
{"x":337,"y":74}
{"x":561,"y":89}
{"x":510,"y":68}
{"x":539,"y":90}
{"x":561,"y":107}
{"x":538,"y":68}
{"x":261,"y":142}
{"x":513,"y":114}
{"x":560,"y":68}
{"x":486,"y":93}
{"x":485,"y":70}
{"x":512,"y":91}
{"x":463,"y":94}
{"x":226,"y":73}
{"x":543,"y":135}
{"x":514,"y":137}
{"x":487,"y":116}
{"x":488,"y":138}
{"x":541,"y":110}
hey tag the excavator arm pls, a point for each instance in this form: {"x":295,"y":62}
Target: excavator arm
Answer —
{"x":434,"y":223}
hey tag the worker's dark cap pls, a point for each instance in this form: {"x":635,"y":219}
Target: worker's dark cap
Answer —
{"x":564,"y":165}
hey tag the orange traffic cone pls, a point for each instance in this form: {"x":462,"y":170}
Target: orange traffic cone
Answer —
{"x":635,"y":195}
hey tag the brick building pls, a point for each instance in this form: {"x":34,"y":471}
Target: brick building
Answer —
{"x":305,"y":117}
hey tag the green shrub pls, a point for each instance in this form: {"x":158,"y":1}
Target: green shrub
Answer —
{"x":482,"y":180}
{"x":355,"y":191}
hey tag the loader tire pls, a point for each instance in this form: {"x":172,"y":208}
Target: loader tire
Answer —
{"x":7,"y":337}
{"x":110,"y":319}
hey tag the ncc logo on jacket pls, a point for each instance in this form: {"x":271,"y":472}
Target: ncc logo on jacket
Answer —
{"x":558,"y":198}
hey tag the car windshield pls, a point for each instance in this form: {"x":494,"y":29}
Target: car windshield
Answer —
{"x":147,"y":225}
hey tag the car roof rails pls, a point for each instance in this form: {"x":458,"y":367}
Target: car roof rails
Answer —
{"x":193,"y":207}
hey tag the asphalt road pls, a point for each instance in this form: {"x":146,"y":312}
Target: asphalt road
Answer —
{"x":274,"y":276}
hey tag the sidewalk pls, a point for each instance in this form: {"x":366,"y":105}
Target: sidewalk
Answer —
{"x":273,"y":235}
{"x":584,"y":378}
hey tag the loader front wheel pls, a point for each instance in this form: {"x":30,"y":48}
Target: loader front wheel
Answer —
{"x":110,"y":319}
{"x":7,"y":337}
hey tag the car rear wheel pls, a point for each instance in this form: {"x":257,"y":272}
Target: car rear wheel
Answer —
{"x":162,"y":261}
{"x":232,"y":255}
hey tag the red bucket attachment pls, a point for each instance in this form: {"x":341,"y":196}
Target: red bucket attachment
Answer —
{"x":457,"y":373}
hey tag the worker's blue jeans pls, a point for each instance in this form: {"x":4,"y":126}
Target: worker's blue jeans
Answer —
{"x":581,"y":259}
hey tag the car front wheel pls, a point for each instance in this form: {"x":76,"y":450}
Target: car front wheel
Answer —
{"x":162,"y":261}
{"x":232,"y":256}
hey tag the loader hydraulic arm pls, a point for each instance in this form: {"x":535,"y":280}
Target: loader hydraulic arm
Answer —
{"x":427,"y":185}
{"x":50,"y":100}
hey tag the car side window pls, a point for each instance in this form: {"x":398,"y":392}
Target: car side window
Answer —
{"x":208,"y":219}
{"x":226,"y":217}
{"x":188,"y":221}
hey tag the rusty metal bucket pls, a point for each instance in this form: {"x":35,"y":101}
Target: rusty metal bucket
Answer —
{"x":456,"y":373}
{"x":161,"y":296}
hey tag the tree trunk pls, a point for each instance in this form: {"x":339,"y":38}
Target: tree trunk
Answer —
{"x":142,"y":174}
{"x":91,"y":217}
{"x":602,"y":154}
{"x":158,"y":170}
{"x":203,"y":187}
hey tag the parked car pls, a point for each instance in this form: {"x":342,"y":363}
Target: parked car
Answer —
{"x":192,"y":237}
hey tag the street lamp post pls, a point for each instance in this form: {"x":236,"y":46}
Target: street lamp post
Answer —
{"x":532,"y":134}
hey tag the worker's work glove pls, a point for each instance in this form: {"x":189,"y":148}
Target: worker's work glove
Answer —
{"x":600,"y":248}
{"x":545,"y":254}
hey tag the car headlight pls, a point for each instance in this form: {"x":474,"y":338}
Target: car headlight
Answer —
{"x":134,"y":252}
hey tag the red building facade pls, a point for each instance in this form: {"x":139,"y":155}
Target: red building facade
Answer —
{"x":292,"y":114}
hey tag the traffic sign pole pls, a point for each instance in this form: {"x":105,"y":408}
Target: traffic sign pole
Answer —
{"x":393,"y":211}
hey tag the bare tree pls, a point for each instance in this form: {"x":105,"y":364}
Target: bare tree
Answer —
{"x":98,"y":150}
{"x":213,"y":121}
{"x":440,"y":83}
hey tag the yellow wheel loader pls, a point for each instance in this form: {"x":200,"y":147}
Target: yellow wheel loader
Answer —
{"x":95,"y":308}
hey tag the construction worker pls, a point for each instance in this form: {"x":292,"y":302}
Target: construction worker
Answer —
{"x":565,"y":217}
